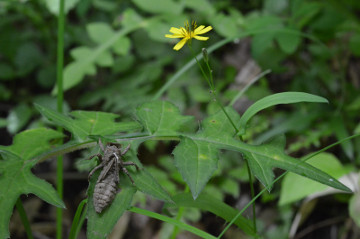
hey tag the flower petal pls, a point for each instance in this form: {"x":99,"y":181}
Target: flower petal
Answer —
{"x":174,"y":36}
{"x":202,"y":31}
{"x":198,"y":29}
{"x":175,"y":30}
{"x":180,"y":44}
{"x":201,"y":38}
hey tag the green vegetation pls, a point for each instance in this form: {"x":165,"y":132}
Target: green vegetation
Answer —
{"x":226,"y":131}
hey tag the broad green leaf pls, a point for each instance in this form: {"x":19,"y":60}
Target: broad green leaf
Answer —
{"x":160,"y":6}
{"x":147,"y":184}
{"x":144,"y":181}
{"x":270,"y":156}
{"x":85,"y":123}
{"x":276,"y":99}
{"x":261,"y":167}
{"x":122,"y":46}
{"x":99,"y":32}
{"x":210,"y":204}
{"x":100,"y":225}
{"x":224,"y":25}
{"x":288,"y":41}
{"x":105,"y":59}
{"x":16,"y":177}
{"x":206,"y":6}
{"x":197,"y":160}
{"x":290,"y":185}
{"x":161,"y":118}
{"x":196,"y":156}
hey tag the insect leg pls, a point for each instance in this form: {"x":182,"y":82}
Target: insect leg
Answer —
{"x":96,"y":168}
{"x":125,"y":150}
{"x":101,"y":145}
{"x":105,"y":171}
{"x":127,"y":173}
{"x":131,"y":164}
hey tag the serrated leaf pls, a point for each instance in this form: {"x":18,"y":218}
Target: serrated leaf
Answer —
{"x":196,"y":157}
{"x":196,"y":162}
{"x":161,"y":118}
{"x":16,"y":177}
{"x":291,"y":182}
{"x":100,"y":225}
{"x":276,"y":99}
{"x":87,"y":123}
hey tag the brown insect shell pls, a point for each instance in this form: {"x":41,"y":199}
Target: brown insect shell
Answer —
{"x":109,"y":153}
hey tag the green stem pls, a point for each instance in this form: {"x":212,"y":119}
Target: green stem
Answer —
{"x":78,"y":221}
{"x":240,"y":93}
{"x":215,"y":98}
{"x":179,"y":216}
{"x":60,"y":99}
{"x":182,"y":225}
{"x":24,"y":219}
{"x":201,"y":68}
{"x":252,"y":191}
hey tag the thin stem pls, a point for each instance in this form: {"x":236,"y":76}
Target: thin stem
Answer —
{"x":215,"y":98}
{"x":255,"y":79}
{"x":201,"y":68}
{"x":163,"y":218}
{"x":78,"y":222}
{"x":24,"y":219}
{"x":178,"y":217}
{"x":252,"y":191}
{"x":60,"y":100}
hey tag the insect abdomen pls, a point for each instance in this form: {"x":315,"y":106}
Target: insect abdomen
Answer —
{"x":104,"y":193}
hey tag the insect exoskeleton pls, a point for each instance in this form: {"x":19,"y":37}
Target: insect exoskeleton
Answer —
{"x":106,"y":186}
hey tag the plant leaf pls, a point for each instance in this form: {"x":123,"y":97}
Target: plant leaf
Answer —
{"x":276,"y":99}
{"x":87,"y":123}
{"x":100,"y":225}
{"x":208,"y":203}
{"x":161,"y":118}
{"x":290,"y":191}
{"x":16,"y":177}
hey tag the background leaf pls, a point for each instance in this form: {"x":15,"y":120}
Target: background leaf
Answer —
{"x":16,"y":177}
{"x":290,"y":185}
{"x":276,"y":99}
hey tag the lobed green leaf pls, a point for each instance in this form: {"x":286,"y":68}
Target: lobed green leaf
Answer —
{"x":16,"y":177}
{"x":85,"y":123}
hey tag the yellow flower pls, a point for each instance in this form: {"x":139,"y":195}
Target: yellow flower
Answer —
{"x":187,"y":33}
